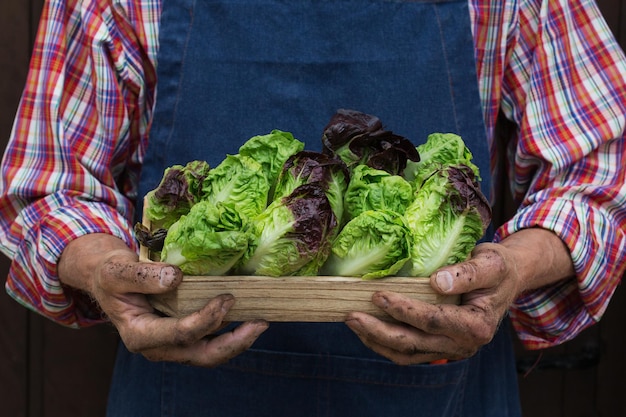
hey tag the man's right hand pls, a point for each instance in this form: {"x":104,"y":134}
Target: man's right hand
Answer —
{"x":111,"y":273}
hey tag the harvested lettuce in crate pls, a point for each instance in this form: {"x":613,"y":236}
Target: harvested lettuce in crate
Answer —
{"x":370,"y":205}
{"x":374,"y":244}
{"x":308,"y":167}
{"x":375,"y":189}
{"x":209,"y":240}
{"x":447,"y":217}
{"x":179,"y":189}
{"x":292,"y":234}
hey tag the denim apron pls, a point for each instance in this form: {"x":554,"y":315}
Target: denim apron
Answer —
{"x":232,"y":69}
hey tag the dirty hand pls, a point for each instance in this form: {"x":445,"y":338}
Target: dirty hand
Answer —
{"x":110,"y":272}
{"x":488,"y":284}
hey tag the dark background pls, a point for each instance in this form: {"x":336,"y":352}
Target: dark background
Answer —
{"x":50,"y":371}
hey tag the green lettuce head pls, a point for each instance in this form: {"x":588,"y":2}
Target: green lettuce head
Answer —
{"x":375,"y":244}
{"x":447,"y":217}
{"x":209,"y":240}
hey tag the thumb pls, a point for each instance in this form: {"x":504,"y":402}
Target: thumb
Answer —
{"x":484,"y":269}
{"x":123,"y":276}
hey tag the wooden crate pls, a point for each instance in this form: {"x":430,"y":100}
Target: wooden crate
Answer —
{"x":304,"y":299}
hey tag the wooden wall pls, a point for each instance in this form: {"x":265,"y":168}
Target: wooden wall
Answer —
{"x":49,"y":371}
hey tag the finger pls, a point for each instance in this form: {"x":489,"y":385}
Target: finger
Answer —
{"x":467,"y":325}
{"x":139,"y":277}
{"x":484,"y":269}
{"x":146,"y":330}
{"x":210,"y":352}
{"x":430,"y":318}
{"x":399,"y":343}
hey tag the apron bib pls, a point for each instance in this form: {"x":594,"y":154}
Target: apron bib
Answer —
{"x":229,"y":70}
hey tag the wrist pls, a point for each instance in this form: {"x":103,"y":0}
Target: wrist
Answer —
{"x":82,"y":258}
{"x":540,"y":258}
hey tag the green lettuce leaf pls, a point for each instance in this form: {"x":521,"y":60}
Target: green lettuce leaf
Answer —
{"x":271,"y":151}
{"x":238,"y":181}
{"x":375,"y":189}
{"x":439,"y":149}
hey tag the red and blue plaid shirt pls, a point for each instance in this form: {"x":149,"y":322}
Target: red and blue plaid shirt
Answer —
{"x":551,"y":67}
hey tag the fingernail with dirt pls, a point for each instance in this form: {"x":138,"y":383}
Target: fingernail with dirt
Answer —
{"x":262,"y":326}
{"x":227,"y":303}
{"x":354,"y":324}
{"x":167,"y":276}
{"x":444,"y":280}
{"x":381,"y":300}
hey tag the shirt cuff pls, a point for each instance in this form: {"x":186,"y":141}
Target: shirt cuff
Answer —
{"x":33,"y":280}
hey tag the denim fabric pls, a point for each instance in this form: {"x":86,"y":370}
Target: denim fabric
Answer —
{"x":229,"y":70}
{"x":279,"y":383}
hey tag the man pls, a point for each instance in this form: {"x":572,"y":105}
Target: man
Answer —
{"x":88,"y":125}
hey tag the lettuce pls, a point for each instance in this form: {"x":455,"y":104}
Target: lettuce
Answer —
{"x":358,"y":138}
{"x":180,"y":188}
{"x":374,"y":244}
{"x":371,"y":204}
{"x":439,"y":149}
{"x":447,"y":217}
{"x":209,"y":240}
{"x":308,"y":167}
{"x":374,"y":189}
{"x":271,"y":151}
{"x":238,"y":181}
{"x":291,"y":234}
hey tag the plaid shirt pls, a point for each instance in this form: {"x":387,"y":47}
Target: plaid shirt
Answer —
{"x":551,"y":67}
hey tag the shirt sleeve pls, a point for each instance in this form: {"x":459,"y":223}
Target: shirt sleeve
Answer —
{"x":74,"y":155}
{"x":564,"y":86}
